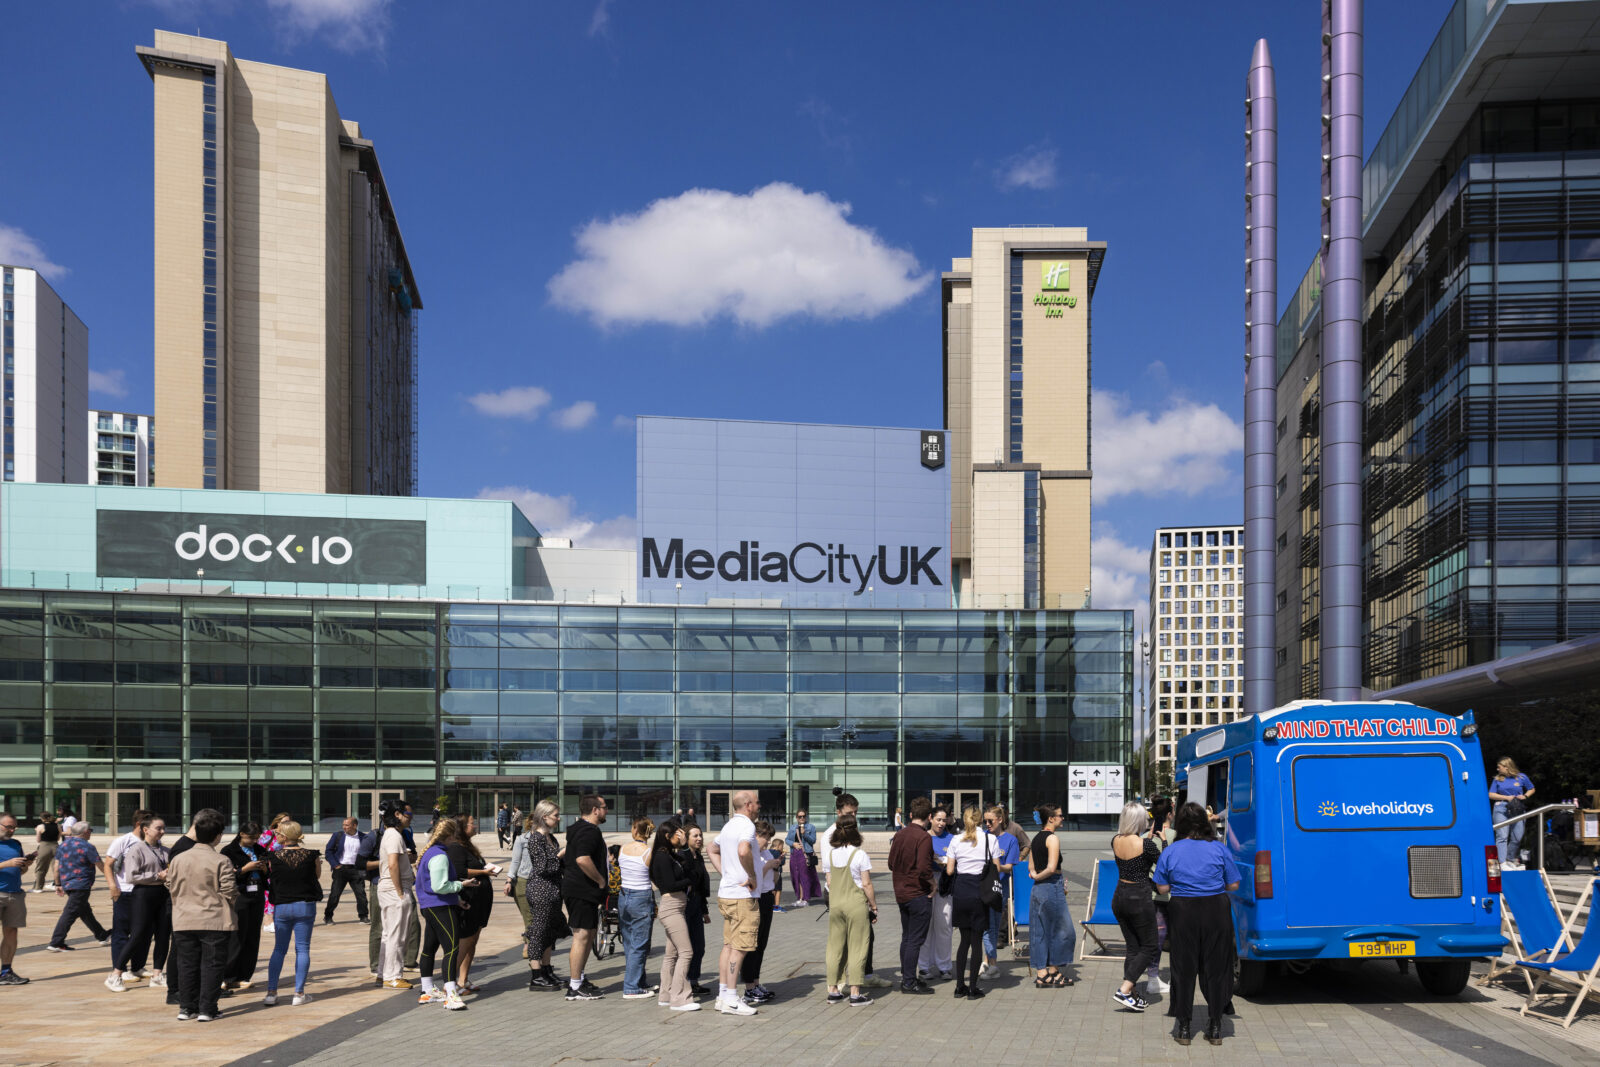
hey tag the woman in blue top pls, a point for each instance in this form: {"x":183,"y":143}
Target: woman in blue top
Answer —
{"x":1509,"y":790}
{"x":1197,"y":870}
{"x":439,"y":884}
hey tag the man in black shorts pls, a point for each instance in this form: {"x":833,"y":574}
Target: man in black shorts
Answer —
{"x":583,"y":890}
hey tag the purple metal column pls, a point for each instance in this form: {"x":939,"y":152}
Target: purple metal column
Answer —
{"x":1341,"y":616}
{"x":1261,"y":383}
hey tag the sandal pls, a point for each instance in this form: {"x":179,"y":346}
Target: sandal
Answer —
{"x":1062,"y":980}
{"x":1042,"y":982}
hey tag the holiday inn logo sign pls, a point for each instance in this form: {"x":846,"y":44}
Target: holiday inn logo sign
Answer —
{"x":1055,"y":277}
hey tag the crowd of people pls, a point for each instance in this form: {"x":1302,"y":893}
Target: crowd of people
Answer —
{"x":188,"y":916}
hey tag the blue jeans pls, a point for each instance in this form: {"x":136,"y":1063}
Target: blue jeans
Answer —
{"x":291,"y":920}
{"x":636,"y":913}
{"x":1507,"y":839}
{"x":1051,"y":937}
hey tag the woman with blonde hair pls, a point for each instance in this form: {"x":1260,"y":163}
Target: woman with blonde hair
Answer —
{"x":965,"y":860}
{"x":636,"y":909}
{"x":541,"y":891}
{"x":1509,"y":793}
{"x":439,"y":883}
{"x":1132,"y":902}
{"x":295,"y":874}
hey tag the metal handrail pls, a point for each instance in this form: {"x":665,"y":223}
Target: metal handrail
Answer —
{"x":1535,"y":813}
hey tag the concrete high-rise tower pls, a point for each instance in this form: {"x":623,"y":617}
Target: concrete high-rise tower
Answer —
{"x":46,"y":350}
{"x":1016,"y":364}
{"x":285,"y":305}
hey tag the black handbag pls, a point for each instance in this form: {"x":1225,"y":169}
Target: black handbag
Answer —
{"x":989,"y":888}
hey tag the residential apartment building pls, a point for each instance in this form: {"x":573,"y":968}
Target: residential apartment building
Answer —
{"x":122,"y":449}
{"x":1481,"y":486}
{"x":46,"y":349}
{"x":285,"y":304}
{"x":1195,"y":667}
{"x":1016,"y":323}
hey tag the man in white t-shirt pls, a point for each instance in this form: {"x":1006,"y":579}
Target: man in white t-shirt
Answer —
{"x":846,"y":804}
{"x":733,"y":854}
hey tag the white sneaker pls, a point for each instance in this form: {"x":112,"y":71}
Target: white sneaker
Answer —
{"x":693,"y":1005}
{"x":453,"y":1002}
{"x":734,"y":1007}
{"x":1156,"y":985}
{"x":158,"y":980}
{"x":643,"y":994}
{"x":145,"y":973}
{"x":270,"y":999}
{"x":299,"y":999}
{"x":114,"y":983}
{"x":432,"y":996}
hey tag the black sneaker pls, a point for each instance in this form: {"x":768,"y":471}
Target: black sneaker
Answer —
{"x":915,"y":988}
{"x":835,"y":998}
{"x":590,"y":987}
{"x":60,"y":948}
{"x":976,"y":994}
{"x":12,"y":978}
{"x":860,"y":1000}
{"x":699,"y":992}
{"x":583,"y":992}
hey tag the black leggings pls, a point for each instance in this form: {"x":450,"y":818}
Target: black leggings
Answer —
{"x":971,"y":942}
{"x":150,"y":927}
{"x":442,"y":927}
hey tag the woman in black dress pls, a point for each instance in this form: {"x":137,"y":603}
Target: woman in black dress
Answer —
{"x":546,"y":923}
{"x":250,"y":876}
{"x":698,"y":913}
{"x":477,"y":897}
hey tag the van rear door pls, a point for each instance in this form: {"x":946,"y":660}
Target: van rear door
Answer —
{"x":1370,"y":838}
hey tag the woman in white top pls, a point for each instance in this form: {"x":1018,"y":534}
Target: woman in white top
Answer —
{"x":636,"y":910}
{"x":852,"y":909}
{"x":965,"y":858}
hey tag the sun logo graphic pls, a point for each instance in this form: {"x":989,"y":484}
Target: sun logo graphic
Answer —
{"x":1328,"y":807}
{"x":1054,"y":275}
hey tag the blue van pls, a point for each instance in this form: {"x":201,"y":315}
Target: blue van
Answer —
{"x":1361,"y":831}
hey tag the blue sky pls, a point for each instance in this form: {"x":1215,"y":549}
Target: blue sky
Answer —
{"x":544,"y":159}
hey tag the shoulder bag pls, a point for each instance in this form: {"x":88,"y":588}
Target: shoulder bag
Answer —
{"x":989,"y":890}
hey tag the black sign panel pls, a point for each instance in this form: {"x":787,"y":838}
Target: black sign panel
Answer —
{"x":933,"y":449}
{"x":261,"y":548}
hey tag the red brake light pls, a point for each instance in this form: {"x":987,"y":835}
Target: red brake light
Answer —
{"x":1491,"y":863}
{"x":1264,"y":875}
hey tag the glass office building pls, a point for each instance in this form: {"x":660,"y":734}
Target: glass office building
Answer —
{"x":320,"y":707}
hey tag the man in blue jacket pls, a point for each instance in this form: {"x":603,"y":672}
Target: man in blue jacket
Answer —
{"x":341,"y":855}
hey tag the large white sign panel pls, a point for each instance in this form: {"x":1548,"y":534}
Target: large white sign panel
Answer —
{"x":1095,"y":789}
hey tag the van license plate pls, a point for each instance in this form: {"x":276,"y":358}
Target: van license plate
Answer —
{"x":1374,"y":949}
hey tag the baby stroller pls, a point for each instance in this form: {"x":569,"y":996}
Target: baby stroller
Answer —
{"x":610,"y":933}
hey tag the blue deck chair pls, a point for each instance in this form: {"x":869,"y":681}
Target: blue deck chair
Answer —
{"x":1582,"y":964}
{"x":1021,"y":897}
{"x":1535,"y":926}
{"x":1102,"y":883}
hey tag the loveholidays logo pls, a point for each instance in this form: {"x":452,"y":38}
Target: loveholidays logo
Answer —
{"x":1331,"y":808}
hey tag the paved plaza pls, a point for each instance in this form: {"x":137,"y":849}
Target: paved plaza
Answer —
{"x":1370,"y":1015}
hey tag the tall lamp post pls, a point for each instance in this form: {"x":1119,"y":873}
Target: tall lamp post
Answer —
{"x":1144,"y":691}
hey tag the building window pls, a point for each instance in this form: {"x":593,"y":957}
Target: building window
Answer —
{"x":1283,"y":656}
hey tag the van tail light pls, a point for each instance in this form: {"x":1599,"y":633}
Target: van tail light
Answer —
{"x":1491,"y":863}
{"x":1264,"y":875}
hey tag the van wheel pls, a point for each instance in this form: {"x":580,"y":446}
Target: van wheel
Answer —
{"x":1444,"y":978}
{"x":1249,"y":976}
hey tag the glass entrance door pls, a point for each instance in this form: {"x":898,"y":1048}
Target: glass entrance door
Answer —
{"x":719,"y":805}
{"x":362,"y":804}
{"x":957,"y":800}
{"x":111,"y":810}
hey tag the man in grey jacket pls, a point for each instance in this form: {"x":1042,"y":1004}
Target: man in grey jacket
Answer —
{"x":203,"y":887}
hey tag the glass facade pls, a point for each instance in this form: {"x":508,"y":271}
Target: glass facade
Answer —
{"x":259,"y":705}
{"x":8,"y":346}
{"x":209,"y":369}
{"x":1483,"y":401}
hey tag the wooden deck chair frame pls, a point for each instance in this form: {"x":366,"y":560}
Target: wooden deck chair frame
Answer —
{"x":1581,"y":990}
{"x":1500,"y":968}
{"x":1101,"y":952}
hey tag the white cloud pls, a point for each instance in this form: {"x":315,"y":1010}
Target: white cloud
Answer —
{"x":20,"y":250}
{"x":349,"y":25}
{"x":1119,"y":580}
{"x":558,"y":516}
{"x":623,"y":422}
{"x":108,"y":383}
{"x":516,"y":402}
{"x":1187,"y":449}
{"x":575,"y":417}
{"x":755,"y":258}
{"x":600,"y":21}
{"x":1032,"y":168}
